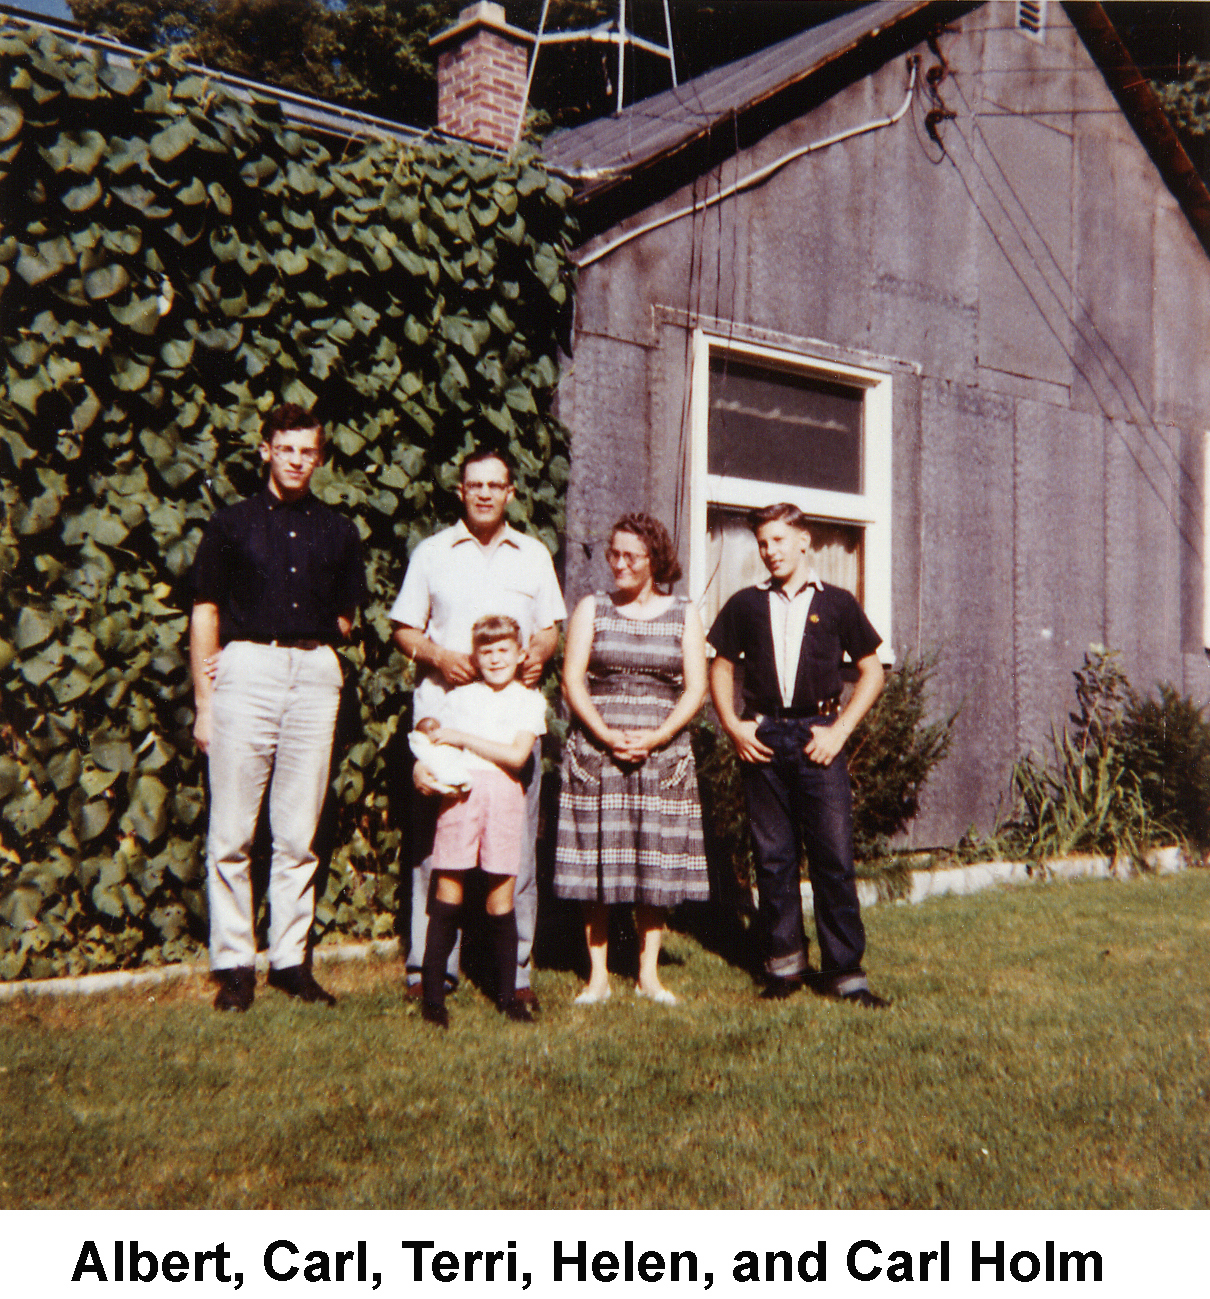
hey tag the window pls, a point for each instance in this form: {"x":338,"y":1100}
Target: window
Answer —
{"x":770,"y":425}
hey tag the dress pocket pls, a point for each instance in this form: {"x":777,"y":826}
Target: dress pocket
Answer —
{"x":583,"y":761}
{"x":679,"y":764}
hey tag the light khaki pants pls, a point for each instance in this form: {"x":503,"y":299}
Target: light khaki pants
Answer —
{"x":274,"y":714}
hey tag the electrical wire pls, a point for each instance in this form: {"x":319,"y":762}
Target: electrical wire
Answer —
{"x":755,"y":178}
{"x":1111,"y":420}
{"x":1143,"y":417}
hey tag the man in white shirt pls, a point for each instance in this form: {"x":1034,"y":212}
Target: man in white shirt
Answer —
{"x":479,"y":566}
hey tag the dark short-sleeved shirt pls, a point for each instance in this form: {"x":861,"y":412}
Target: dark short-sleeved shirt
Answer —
{"x":836,"y":625}
{"x":279,"y":570}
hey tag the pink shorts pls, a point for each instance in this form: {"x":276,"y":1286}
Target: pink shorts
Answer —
{"x":485,"y":829}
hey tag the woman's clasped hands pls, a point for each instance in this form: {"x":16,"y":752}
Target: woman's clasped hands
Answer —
{"x":632,"y":748}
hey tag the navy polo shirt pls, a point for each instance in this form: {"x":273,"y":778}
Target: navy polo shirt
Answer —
{"x":279,"y":570}
{"x":836,"y":626}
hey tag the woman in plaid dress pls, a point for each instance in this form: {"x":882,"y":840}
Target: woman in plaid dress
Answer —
{"x":630,"y":823}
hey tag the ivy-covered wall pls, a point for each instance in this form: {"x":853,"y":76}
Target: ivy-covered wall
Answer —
{"x":172,"y":262}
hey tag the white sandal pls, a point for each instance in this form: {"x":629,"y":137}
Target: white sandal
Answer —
{"x":661,"y":998}
{"x":587,"y":998}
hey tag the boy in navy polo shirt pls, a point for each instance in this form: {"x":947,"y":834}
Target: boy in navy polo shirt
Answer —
{"x":791,"y":634}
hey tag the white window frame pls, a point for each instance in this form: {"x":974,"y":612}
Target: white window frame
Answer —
{"x":870,"y":509}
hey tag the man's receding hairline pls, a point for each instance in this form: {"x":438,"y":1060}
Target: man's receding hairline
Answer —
{"x":482,"y":458}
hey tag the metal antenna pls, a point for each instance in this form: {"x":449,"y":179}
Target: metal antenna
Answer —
{"x":606,"y":33}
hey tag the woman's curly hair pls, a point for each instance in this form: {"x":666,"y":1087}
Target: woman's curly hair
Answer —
{"x":665,"y":569}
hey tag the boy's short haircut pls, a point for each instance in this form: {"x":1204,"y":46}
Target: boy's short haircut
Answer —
{"x":493,"y":627}
{"x":782,"y":512}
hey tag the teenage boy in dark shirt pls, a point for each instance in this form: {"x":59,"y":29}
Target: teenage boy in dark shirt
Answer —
{"x":276,"y":584}
{"x":791,"y":634}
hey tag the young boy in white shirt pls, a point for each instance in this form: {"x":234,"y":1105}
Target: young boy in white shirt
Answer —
{"x":495,"y":722}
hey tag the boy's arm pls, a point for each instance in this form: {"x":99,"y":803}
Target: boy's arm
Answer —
{"x":742,"y":733}
{"x":512,"y":757}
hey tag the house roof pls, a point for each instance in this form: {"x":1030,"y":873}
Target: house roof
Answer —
{"x":664,"y":123}
{"x":628,"y":161}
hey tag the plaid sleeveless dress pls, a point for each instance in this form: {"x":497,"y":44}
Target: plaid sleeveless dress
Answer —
{"x":631,"y":834}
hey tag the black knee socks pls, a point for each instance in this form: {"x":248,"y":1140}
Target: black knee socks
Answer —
{"x":439,"y":942}
{"x":503,"y":930}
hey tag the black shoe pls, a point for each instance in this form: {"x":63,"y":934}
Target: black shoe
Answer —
{"x":780,"y":989}
{"x":297,"y":981}
{"x":516,"y":1010}
{"x":434,"y":1014}
{"x":236,"y":988}
{"x":863,"y":997}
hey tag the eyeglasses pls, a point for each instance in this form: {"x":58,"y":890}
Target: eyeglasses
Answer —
{"x":296,"y":453}
{"x":497,"y":489}
{"x":628,"y":557}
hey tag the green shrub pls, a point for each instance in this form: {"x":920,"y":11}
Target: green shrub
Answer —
{"x":724,"y":817}
{"x":172,"y":262}
{"x":892,"y":753}
{"x":1166,"y":743}
{"x":1133,"y":771}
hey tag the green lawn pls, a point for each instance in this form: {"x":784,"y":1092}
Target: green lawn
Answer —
{"x":1049,"y":1047}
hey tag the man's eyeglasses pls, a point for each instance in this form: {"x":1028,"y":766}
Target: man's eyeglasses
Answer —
{"x":296,"y":453}
{"x":497,"y":489}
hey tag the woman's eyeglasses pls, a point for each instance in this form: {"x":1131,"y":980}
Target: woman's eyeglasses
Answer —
{"x":627,"y":557}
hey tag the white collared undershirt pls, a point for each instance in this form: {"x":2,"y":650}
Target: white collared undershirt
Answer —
{"x":788,"y":619}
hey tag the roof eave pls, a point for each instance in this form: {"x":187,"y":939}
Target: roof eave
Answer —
{"x":1142,"y":109}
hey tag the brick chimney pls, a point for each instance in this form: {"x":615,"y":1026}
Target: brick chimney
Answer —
{"x":481,"y":72}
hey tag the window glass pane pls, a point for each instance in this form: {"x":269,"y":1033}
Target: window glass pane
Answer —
{"x":733,"y":562}
{"x":778,"y":427}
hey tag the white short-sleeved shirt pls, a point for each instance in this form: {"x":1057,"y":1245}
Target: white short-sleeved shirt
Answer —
{"x":452,"y":581}
{"x":497,"y":715}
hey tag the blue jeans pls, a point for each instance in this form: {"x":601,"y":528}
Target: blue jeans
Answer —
{"x":792,"y":801}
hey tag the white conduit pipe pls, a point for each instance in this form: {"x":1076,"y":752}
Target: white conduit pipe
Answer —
{"x":757,"y":177}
